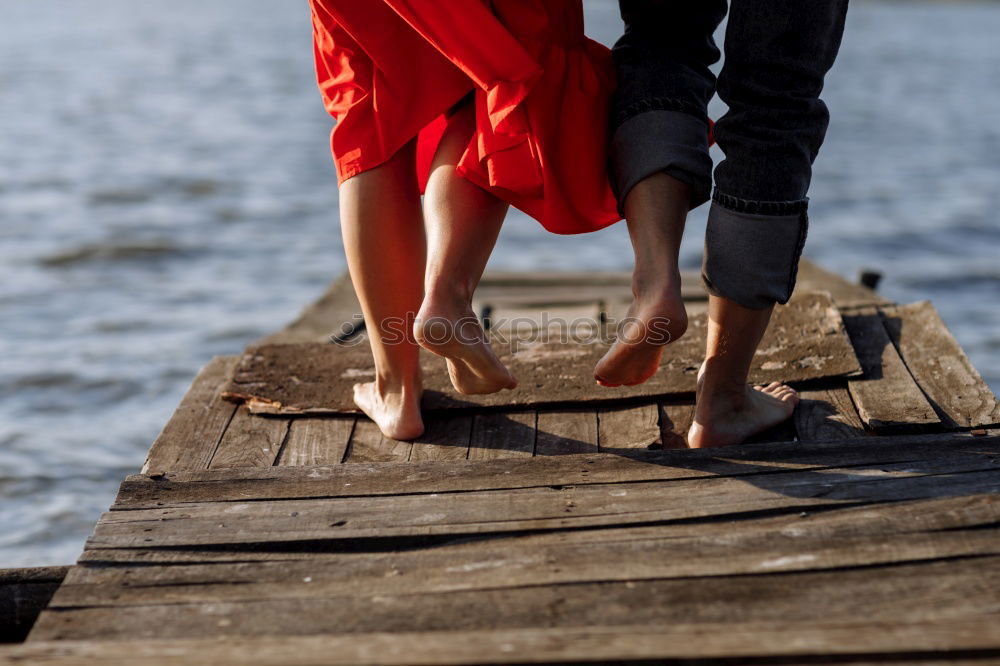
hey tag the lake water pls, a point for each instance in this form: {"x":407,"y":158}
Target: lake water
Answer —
{"x":166,"y":195}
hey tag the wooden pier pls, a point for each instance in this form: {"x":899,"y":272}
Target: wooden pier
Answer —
{"x":561,"y":522}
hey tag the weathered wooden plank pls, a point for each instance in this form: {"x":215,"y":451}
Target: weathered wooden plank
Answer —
{"x":250,"y":441}
{"x":569,"y":431}
{"x":316,"y":441}
{"x":849,"y":537}
{"x":887,"y":397}
{"x":446,"y":438}
{"x":629,"y":428}
{"x":24,"y":593}
{"x":827,"y":414}
{"x":911,"y":592}
{"x":495,"y":434}
{"x":503,"y":436}
{"x":189,"y":438}
{"x":805,"y":340}
{"x":854,"y":642}
{"x":552,"y":507}
{"x":936,"y":360}
{"x":938,"y":518}
{"x":368,"y":444}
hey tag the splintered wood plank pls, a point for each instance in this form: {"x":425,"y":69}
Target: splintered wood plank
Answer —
{"x":446,"y":438}
{"x":805,"y":340}
{"x":629,"y":427}
{"x":853,"y":642}
{"x":827,"y":414}
{"x":954,"y":387}
{"x":886,"y":396}
{"x":910,"y":592}
{"x":509,"y":435}
{"x":250,"y":441}
{"x":675,"y":421}
{"x":317,"y":441}
{"x":740,"y":462}
{"x":368,"y":444}
{"x":540,"y":508}
{"x":190,"y":437}
{"x":848,"y":537}
{"x":569,"y":431}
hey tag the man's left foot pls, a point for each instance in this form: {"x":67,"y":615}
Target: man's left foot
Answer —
{"x":722,"y":420}
{"x":653,"y":321}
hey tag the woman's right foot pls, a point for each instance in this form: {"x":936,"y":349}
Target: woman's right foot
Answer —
{"x":453,"y":331}
{"x":395,"y":412}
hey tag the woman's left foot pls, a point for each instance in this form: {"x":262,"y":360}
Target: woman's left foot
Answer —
{"x":454,"y":332}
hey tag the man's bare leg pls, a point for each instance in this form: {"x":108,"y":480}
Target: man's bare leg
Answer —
{"x":656,"y":210}
{"x":463,"y":222}
{"x":728,"y":410}
{"x":383,"y":233}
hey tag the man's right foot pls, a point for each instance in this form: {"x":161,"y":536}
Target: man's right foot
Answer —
{"x":396,"y":413}
{"x":454,"y":332}
{"x":655,"y":319}
{"x":725,"y":420}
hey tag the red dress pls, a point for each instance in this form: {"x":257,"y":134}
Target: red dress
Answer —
{"x":389,"y":70}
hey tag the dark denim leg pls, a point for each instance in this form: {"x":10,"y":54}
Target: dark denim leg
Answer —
{"x":659,"y":112}
{"x":777,"y":55}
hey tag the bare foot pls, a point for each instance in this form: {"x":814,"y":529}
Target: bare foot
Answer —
{"x":653,"y":321}
{"x":455,"y":333}
{"x":723,"y":420}
{"x":396,"y":413}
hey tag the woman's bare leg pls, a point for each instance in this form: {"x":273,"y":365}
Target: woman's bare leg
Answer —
{"x":463,"y":222}
{"x":384,"y":240}
{"x":656,"y":210}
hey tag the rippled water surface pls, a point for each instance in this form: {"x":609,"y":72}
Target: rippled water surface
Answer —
{"x":166,"y":195}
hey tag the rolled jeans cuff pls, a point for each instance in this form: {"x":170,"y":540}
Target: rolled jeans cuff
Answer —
{"x":661,"y":140}
{"x":752,"y":249}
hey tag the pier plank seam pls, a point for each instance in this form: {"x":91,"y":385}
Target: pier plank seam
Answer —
{"x":190,"y":437}
{"x":446,"y":438}
{"x":250,"y":441}
{"x":503,"y":436}
{"x":827,"y":414}
{"x":628,"y":428}
{"x":562,"y":432}
{"x":950,"y":382}
{"x":316,"y":441}
{"x":887,"y":396}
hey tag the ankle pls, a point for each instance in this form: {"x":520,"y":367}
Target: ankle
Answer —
{"x":721,"y":390}
{"x":449,"y":298}
{"x":406,"y":384}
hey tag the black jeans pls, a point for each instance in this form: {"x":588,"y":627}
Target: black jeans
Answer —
{"x":777,"y":54}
